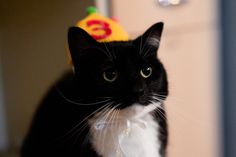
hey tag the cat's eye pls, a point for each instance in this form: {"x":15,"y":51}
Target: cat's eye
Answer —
{"x":110,"y":75}
{"x":146,"y":71}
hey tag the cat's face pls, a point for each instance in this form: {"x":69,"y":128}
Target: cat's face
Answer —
{"x":128,"y":72}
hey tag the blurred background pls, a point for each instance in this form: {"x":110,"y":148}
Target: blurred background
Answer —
{"x":197,"y":49}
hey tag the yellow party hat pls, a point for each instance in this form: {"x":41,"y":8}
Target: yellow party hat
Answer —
{"x":101,"y":28}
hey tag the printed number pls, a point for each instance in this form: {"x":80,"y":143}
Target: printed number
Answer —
{"x":98,"y":26}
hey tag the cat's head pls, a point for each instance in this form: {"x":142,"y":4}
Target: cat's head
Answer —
{"x":128,"y":72}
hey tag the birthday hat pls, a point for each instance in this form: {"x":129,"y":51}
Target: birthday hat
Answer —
{"x":101,"y":28}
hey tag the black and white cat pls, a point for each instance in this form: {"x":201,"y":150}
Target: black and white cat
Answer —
{"x":110,"y":105}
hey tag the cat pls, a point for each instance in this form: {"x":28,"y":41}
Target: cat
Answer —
{"x":110,"y":105}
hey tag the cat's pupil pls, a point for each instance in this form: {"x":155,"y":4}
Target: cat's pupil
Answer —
{"x":146,"y":71}
{"x":110,"y":75}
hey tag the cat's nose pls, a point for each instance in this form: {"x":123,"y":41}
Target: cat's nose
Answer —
{"x":138,"y":90}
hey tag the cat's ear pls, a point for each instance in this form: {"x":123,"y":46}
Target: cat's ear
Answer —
{"x":79,"y":40}
{"x":149,"y":42}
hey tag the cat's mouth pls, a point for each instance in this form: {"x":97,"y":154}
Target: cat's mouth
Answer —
{"x":131,"y":99}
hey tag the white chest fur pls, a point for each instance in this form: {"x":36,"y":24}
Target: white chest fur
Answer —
{"x":131,"y":132}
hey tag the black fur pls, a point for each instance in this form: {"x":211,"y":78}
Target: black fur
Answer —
{"x":57,"y":128}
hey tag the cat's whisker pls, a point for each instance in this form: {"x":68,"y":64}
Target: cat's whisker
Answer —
{"x":159,"y":100}
{"x":107,"y":106}
{"x":86,"y":118}
{"x":104,"y":119}
{"x":109,"y":118}
{"x":106,"y":127}
{"x":116,"y":125}
{"x":86,"y":138}
{"x":76,"y":132}
{"x":156,"y":99}
{"x":170,"y":97}
{"x":80,"y":130}
{"x":160,"y":113}
{"x":81,"y":104}
{"x":115,"y":121}
{"x":178,"y":117}
{"x":159,"y":94}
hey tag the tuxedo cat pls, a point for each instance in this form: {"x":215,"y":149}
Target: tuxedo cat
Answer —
{"x":109,"y":105}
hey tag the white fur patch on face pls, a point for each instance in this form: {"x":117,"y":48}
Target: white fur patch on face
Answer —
{"x":130,"y":132}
